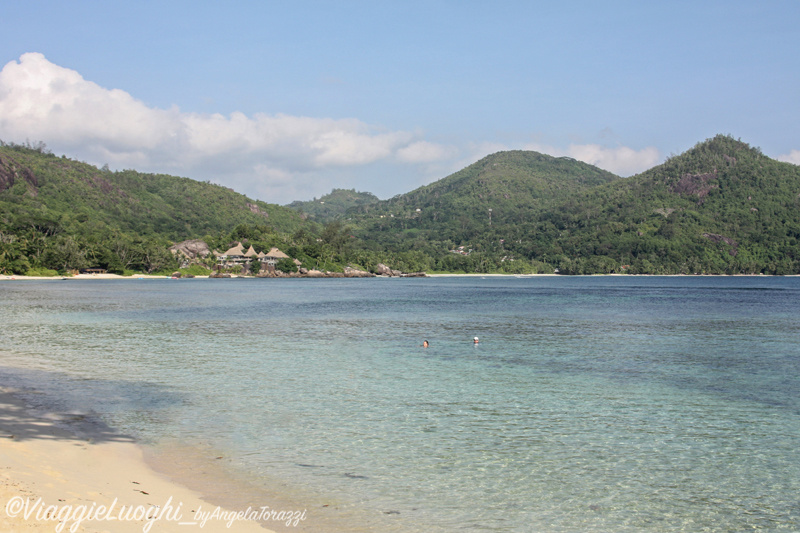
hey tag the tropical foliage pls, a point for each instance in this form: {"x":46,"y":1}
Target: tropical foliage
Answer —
{"x":60,"y":214}
{"x":722,"y":207}
{"x":333,"y":205}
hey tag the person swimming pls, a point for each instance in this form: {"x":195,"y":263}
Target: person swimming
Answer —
{"x":425,"y":344}
{"x":475,"y":340}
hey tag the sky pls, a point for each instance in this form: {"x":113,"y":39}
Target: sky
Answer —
{"x":284,"y":101}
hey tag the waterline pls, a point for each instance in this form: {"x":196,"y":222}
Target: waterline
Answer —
{"x":625,"y":404}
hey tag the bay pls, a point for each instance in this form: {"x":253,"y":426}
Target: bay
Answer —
{"x":589,"y":404}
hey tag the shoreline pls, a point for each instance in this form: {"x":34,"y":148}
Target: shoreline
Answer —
{"x":69,"y":459}
{"x":14,"y":277}
{"x":81,"y":277}
{"x":98,"y":479}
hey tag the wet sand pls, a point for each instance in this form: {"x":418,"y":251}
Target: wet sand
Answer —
{"x":51,"y":477}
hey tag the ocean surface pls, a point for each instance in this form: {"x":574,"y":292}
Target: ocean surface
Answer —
{"x":591,"y":404}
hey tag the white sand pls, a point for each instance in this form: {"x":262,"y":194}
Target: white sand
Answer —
{"x":45,"y":469}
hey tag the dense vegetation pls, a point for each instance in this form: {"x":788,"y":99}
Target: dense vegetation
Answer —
{"x":481,"y":208}
{"x":720,"y":208}
{"x":333,"y":205}
{"x":59,"y":214}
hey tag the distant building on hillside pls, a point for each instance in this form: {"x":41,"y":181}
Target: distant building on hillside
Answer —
{"x":250,"y":254}
{"x":237,"y":256}
{"x":273,"y":256}
{"x":233,"y":255}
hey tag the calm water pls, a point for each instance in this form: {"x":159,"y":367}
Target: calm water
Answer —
{"x":591,"y":403}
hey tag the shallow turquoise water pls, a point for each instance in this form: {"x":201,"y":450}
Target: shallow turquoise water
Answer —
{"x":590,"y":404}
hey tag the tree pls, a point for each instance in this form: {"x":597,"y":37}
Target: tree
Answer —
{"x":155,"y":257}
{"x":286,"y":265}
{"x":66,"y":254}
{"x":125,"y":252}
{"x":12,"y":258}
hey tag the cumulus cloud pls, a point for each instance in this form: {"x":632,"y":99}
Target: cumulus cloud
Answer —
{"x":791,"y":157}
{"x":425,"y":152}
{"x":42,"y":101}
{"x":274,"y":157}
{"x":620,"y":160}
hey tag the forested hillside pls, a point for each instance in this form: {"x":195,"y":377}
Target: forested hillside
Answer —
{"x":333,"y":205}
{"x":721,"y":207}
{"x":59,"y":214}
{"x":477,"y":207}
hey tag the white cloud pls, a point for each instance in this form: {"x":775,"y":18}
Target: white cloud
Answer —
{"x":274,"y":157}
{"x":620,"y":160}
{"x":791,"y":157}
{"x":42,"y":101}
{"x":425,"y":152}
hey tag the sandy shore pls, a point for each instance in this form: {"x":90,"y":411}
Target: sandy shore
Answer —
{"x":82,"y":276}
{"x":50,"y":478}
{"x":434,"y":275}
{"x":145,"y":276}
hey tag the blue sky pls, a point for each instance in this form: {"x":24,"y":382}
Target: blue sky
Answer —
{"x":286,"y":100}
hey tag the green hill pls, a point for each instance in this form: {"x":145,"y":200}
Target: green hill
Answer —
{"x":477,"y":206}
{"x":58,"y":213}
{"x":721,"y":207}
{"x":334,"y":205}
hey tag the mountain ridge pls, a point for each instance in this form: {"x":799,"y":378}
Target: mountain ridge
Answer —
{"x":678,"y":217}
{"x":333,"y":205}
{"x":720,"y":207}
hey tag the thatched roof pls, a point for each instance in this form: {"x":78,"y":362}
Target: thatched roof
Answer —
{"x":274,"y":253}
{"x":236,"y":250}
{"x":251,"y":252}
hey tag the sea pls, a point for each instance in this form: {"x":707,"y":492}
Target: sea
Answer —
{"x":589,"y":404}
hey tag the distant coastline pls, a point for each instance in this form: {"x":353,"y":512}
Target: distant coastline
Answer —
{"x":436,"y":275}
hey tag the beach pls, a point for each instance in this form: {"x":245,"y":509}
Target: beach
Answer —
{"x":10,"y":277}
{"x":592,"y":403}
{"x":55,"y":480}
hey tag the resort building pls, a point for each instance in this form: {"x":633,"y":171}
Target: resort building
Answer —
{"x":273,"y":256}
{"x":233,"y":255}
{"x":238,"y":256}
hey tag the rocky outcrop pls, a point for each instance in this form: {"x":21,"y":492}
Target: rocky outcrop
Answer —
{"x":383,"y":270}
{"x":305,"y":273}
{"x":727,"y":240}
{"x":350,"y":272}
{"x":696,"y":184}
{"x":11,"y":173}
{"x":257,"y":210}
{"x":191,"y":249}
